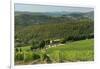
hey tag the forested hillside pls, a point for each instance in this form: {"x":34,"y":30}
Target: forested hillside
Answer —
{"x":32,"y":26}
{"x":29,"y":18}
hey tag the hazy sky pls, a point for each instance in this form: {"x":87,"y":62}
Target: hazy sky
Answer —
{"x":48,"y":8}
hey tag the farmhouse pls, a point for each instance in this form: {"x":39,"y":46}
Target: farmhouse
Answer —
{"x":54,"y":42}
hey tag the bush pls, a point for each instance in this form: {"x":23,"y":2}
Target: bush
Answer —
{"x":20,"y":50}
{"x":16,"y":49}
{"x":28,"y":56}
{"x":42,"y":44}
{"x":47,"y":42}
{"x":36,"y":56}
{"x":19,"y":56}
{"x":47,"y":58}
{"x":35,"y":45}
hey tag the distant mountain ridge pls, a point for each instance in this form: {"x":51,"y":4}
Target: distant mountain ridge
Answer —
{"x":52,"y":13}
{"x":29,"y":18}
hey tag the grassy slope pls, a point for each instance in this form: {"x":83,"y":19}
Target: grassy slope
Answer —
{"x":74,"y":51}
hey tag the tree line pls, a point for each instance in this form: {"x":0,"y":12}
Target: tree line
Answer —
{"x":67,"y":30}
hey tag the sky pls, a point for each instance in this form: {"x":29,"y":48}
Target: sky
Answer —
{"x":48,"y":8}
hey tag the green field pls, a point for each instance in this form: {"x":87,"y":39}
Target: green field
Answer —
{"x":82,"y":50}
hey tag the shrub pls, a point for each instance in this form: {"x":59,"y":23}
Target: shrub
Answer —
{"x":28,"y":56}
{"x":47,"y":42}
{"x":35,"y":45}
{"x":42,"y":44}
{"x":36,"y":56}
{"x":20,"y":50}
{"x":16,"y":49}
{"x":47,"y":58}
{"x":19,"y":56}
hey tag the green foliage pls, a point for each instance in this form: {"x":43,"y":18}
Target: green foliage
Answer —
{"x":28,"y":56}
{"x":38,"y":44}
{"x":35,"y":45}
{"x":47,"y":42}
{"x":73,"y":51}
{"x":20,"y":50}
{"x":16,"y":49}
{"x":19,"y":56}
{"x":36,"y":56}
{"x":47,"y":58}
{"x":42,"y":44}
{"x":70,"y":52}
{"x":51,"y":28}
{"x":34,"y":32}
